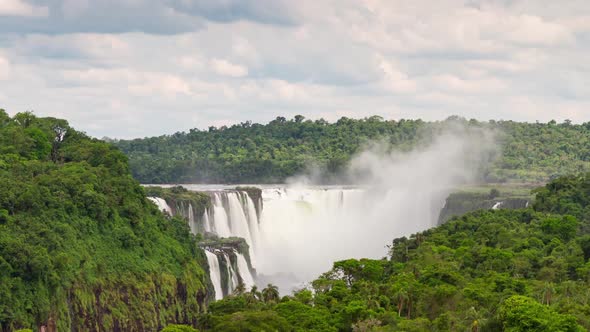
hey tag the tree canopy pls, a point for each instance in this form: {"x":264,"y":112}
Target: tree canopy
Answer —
{"x":255,"y":153}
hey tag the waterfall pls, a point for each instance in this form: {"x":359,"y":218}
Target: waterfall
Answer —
{"x":244,"y":271}
{"x":161,"y":204}
{"x":304,"y":229}
{"x":214,"y":274}
{"x":232,"y":279}
{"x":252,"y":216}
{"x":206,"y":222}
{"x":220,"y":218}
{"x":238,"y":221}
{"x":299,"y":231}
{"x":191,"y":219}
{"x":497,"y":205}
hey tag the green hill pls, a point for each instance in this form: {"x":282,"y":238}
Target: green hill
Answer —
{"x":81,"y":248}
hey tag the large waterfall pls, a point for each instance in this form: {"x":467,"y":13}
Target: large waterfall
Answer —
{"x":304,"y":230}
{"x":295,"y":233}
{"x":300,"y":232}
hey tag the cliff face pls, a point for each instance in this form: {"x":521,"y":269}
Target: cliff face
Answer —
{"x":145,"y":304}
{"x":460,"y":203}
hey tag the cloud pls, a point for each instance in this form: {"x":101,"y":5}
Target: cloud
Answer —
{"x":395,"y":80}
{"x":148,"y":16}
{"x":130,"y":68}
{"x":104,"y":16}
{"x":226,"y":68}
{"x":4,"y":68}
{"x":263,"y":11}
{"x":21,"y":8}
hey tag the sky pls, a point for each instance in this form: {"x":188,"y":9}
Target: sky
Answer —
{"x":135,"y":68}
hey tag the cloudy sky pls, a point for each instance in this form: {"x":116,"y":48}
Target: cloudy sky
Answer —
{"x":133,"y":68}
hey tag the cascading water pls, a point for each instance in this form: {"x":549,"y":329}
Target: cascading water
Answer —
{"x":238,"y":221}
{"x":219,"y":216}
{"x":214,"y":274}
{"x":161,"y":204}
{"x":244,"y":271}
{"x":232,"y":280}
{"x":206,"y":222}
{"x":301,"y":231}
{"x":252,"y":216}
{"x":191,"y":219}
{"x":497,"y":205}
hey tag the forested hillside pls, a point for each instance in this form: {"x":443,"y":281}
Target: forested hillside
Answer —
{"x":81,"y":248}
{"x":493,"y":270}
{"x":255,"y":153}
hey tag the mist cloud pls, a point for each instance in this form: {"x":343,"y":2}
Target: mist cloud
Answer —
{"x":397,"y":194}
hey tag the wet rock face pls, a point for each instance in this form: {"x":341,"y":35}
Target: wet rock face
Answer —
{"x":458,"y":204}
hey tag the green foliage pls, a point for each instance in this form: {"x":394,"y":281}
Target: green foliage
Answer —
{"x":524,"y":314}
{"x":80,"y":246}
{"x":255,"y":153}
{"x":252,"y":321}
{"x":179,"y":328}
{"x":566,"y":195}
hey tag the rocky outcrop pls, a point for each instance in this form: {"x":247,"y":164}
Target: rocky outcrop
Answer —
{"x":460,"y":203}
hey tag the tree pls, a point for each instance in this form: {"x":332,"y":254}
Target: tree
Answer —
{"x":240,"y":288}
{"x":522,"y":314}
{"x":270,"y":293}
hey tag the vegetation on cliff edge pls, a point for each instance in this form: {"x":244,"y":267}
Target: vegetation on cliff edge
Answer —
{"x":81,"y":248}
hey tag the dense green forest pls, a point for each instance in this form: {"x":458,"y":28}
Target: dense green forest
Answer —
{"x":491,"y":270}
{"x":256,"y":153}
{"x":81,"y":248}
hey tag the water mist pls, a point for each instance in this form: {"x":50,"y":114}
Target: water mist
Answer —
{"x":304,"y":229}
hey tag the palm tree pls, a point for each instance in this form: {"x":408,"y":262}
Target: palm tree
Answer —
{"x":255,"y":293}
{"x":400,"y":295}
{"x":240,"y":289}
{"x":270,"y":293}
{"x":548,"y":291}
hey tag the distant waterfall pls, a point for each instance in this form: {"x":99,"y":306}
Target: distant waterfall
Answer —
{"x":215,"y":274}
{"x":191,"y":219}
{"x":161,"y":204}
{"x":497,"y":205}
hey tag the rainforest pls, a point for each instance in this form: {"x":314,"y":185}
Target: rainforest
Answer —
{"x":296,"y":225}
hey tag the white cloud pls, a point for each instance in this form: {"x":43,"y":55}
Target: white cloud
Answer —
{"x":226,"y":68}
{"x":21,"y":8}
{"x":395,"y":80}
{"x":150,"y":69}
{"x":4,"y":68}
